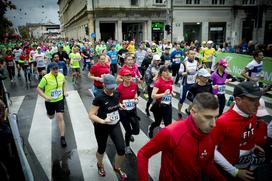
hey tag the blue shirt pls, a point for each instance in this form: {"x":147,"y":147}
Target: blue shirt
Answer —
{"x":176,"y":56}
{"x":113,"y":56}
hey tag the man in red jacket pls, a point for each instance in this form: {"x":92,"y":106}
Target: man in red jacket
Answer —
{"x":238,"y":153}
{"x":187,"y":147}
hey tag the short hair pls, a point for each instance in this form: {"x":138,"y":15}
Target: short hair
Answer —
{"x":205,"y":100}
{"x":256,"y":53}
{"x":164,"y":68}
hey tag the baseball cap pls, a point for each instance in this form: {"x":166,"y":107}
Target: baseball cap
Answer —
{"x":124,"y":72}
{"x":248,"y":89}
{"x":156,"y":57}
{"x":223,"y":62}
{"x":210,"y":42}
{"x":109,"y":81}
{"x":53,"y":65}
{"x":262,"y":111}
{"x":39,"y":48}
{"x":203,"y":72}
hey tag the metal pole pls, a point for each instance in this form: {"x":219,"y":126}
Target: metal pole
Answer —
{"x":171,"y":19}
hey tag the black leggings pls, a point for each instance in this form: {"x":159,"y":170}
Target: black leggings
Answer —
{"x":102,"y":131}
{"x":150,"y":100}
{"x":11,"y":72}
{"x":113,"y":68}
{"x":131,"y":124}
{"x":161,"y":112}
{"x":222,"y":103}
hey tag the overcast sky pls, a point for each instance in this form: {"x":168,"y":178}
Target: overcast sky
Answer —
{"x":33,"y":11}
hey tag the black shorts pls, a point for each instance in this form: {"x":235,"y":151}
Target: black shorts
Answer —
{"x":40,"y":69}
{"x":52,"y":107}
{"x":74,"y":70}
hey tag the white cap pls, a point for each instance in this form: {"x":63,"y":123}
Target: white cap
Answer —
{"x":203,"y":72}
{"x":39,"y":48}
{"x":262,"y":111}
{"x":156,"y":57}
{"x":210,"y":42}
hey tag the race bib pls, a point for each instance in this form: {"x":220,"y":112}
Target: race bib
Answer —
{"x":129,"y":104}
{"x":55,"y":93}
{"x":209,"y":58}
{"x":26,"y":62}
{"x":190,"y":79}
{"x":221,"y":89}
{"x":177,"y":60}
{"x":88,"y":60}
{"x":166,"y":99}
{"x":10,"y":63}
{"x":248,"y":159}
{"x":114,"y":117}
{"x":40,"y":63}
{"x":61,"y":71}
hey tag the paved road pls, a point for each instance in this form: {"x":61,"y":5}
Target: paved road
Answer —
{"x":77,"y":161}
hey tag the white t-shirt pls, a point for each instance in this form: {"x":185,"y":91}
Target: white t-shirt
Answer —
{"x":17,"y":54}
{"x":255,"y":69}
{"x":40,"y":59}
{"x":192,"y":66}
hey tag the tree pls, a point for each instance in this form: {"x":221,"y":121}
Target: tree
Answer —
{"x":5,"y":23}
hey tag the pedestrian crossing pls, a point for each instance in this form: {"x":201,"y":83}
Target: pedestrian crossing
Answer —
{"x":86,"y":146}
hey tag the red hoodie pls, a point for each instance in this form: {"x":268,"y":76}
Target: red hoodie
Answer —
{"x":186,"y":153}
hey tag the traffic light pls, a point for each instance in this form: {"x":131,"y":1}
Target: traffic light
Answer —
{"x":168,"y":29}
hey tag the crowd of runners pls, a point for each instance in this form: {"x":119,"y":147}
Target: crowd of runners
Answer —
{"x":206,"y":143}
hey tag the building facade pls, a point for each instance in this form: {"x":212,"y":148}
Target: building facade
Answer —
{"x":43,"y":30}
{"x":115,"y":19}
{"x":232,"y":21}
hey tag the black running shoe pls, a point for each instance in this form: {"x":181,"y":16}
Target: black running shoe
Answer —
{"x":63,"y":142}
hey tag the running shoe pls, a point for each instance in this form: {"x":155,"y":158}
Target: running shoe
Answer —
{"x":121,"y":173}
{"x":131,"y":138}
{"x":150,"y":133}
{"x":63,"y":142}
{"x":101,"y":170}
{"x":179,"y":116}
{"x":128,"y":150}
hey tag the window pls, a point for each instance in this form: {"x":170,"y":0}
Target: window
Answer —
{"x":134,"y":2}
{"x":221,"y":1}
{"x":197,"y":1}
{"x":214,"y":1}
{"x":244,"y":2}
{"x":188,"y":1}
{"x":251,"y":1}
{"x":158,"y":1}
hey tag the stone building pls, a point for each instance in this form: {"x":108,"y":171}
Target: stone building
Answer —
{"x":233,"y":21}
{"x":115,"y":19}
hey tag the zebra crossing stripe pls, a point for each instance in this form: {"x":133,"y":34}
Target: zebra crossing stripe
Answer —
{"x":85,"y":140}
{"x":40,"y":138}
{"x":16,"y":104}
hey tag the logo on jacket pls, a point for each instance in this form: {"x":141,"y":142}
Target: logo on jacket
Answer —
{"x":249,"y":131}
{"x":203,"y":154}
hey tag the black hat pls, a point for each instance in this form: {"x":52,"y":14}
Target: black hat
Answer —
{"x":248,"y":89}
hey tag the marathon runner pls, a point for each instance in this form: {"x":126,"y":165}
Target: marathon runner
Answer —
{"x":40,"y":60}
{"x":53,"y":89}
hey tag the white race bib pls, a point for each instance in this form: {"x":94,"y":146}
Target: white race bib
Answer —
{"x":40,"y":63}
{"x":88,"y":60}
{"x":166,"y":99}
{"x":11,"y":63}
{"x":177,"y":60}
{"x":221,"y":89}
{"x":55,"y":93}
{"x":26,"y":62}
{"x":61,"y":71}
{"x":190,"y":79}
{"x":129,"y":104}
{"x":114,"y":117}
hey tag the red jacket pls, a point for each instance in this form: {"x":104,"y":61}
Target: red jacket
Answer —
{"x":233,"y":133}
{"x":186,"y":153}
